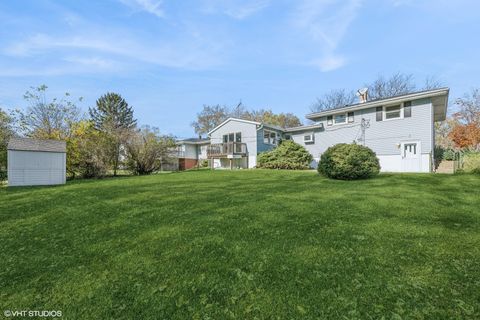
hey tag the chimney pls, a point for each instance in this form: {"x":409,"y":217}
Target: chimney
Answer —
{"x":363,"y":95}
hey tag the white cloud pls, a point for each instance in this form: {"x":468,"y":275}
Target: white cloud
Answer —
{"x":235,"y":8}
{"x":190,"y":52}
{"x":96,"y":62}
{"x":398,"y":3}
{"x":150,"y":6}
{"x":329,"y":63}
{"x":327,"y":22}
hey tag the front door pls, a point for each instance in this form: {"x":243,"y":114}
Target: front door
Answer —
{"x":411,"y":160}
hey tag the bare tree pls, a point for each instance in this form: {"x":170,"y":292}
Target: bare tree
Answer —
{"x":431,"y":82}
{"x":469,"y":108}
{"x":397,"y":84}
{"x":48,"y":119}
{"x":333,"y":99}
{"x":381,"y":88}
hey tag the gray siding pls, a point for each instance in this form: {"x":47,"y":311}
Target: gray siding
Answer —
{"x":26,"y":168}
{"x":190,"y":151}
{"x":382,"y":136}
{"x":261,"y":145}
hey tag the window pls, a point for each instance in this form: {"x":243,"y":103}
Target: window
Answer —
{"x":238,"y":139}
{"x":288,"y":137}
{"x":379,"y":113}
{"x":273,"y":138}
{"x":308,"y":138}
{"x":407,"y":109}
{"x":350,"y":117}
{"x":393,"y":112}
{"x":232,"y":137}
{"x":329,"y":120}
{"x":340,"y":118}
{"x":269,"y":137}
{"x":409,"y":149}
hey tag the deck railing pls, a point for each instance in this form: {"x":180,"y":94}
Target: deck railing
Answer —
{"x":226,"y":149}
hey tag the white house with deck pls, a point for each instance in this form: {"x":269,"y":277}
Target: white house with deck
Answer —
{"x":400,"y":130}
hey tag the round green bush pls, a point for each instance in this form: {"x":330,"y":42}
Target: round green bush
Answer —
{"x":349,"y":162}
{"x":288,"y":155}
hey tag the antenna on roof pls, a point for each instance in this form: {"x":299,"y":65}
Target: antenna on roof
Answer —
{"x":362,"y":94}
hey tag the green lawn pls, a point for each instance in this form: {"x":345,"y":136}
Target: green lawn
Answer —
{"x":245,"y":245}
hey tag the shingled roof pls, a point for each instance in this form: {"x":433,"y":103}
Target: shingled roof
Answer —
{"x":27,"y":144}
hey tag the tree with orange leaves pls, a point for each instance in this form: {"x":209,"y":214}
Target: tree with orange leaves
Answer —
{"x":466,"y":136}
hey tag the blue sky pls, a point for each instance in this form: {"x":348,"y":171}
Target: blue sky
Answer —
{"x":168,"y":58}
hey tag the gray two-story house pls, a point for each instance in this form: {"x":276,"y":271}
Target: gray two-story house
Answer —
{"x":400,"y":130}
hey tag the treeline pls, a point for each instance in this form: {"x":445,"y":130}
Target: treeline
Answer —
{"x":213,"y":115}
{"x":104,"y":140}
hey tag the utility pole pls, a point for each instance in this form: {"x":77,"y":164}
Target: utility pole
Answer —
{"x":365,"y":124}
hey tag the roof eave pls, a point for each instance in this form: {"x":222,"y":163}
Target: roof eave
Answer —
{"x":230,"y":119}
{"x":304,"y":128}
{"x":418,"y":95}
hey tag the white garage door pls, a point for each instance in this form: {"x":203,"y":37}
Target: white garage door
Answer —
{"x":35,"y":168}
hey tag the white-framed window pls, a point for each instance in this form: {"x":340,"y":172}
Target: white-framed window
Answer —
{"x":308,"y":138}
{"x":269,"y":137}
{"x":350,"y":117}
{"x":329,"y":120}
{"x":393,"y":112}
{"x":340,"y":118}
{"x":232,"y":137}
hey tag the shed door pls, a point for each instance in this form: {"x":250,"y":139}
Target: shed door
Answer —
{"x":411,"y":160}
{"x":35,"y":168}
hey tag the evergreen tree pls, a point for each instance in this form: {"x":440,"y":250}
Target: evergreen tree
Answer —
{"x":114,"y":117}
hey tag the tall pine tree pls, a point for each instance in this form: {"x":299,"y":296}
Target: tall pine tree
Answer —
{"x":114,"y":117}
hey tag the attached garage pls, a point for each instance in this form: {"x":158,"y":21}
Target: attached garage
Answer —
{"x":36,"y":162}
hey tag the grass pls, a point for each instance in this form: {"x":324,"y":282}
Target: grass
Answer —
{"x":244,"y":244}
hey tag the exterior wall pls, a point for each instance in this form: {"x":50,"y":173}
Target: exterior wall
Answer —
{"x":28,"y":168}
{"x":202,"y":151}
{"x":185,"y":164}
{"x":383,"y":137}
{"x":249,"y":137}
{"x":261,"y":145}
{"x":393,"y":163}
{"x":189,"y":151}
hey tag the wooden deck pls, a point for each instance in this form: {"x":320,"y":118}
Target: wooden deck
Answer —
{"x":224,"y":150}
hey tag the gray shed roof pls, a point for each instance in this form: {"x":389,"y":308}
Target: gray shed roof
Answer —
{"x":27,"y":144}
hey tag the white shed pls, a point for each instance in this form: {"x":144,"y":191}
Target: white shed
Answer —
{"x":36,"y":162}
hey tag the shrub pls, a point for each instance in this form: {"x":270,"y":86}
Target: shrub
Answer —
{"x":449,"y":155}
{"x":204,"y":163}
{"x":471,"y":162}
{"x":146,"y":149}
{"x":288,"y":155}
{"x":349,"y":162}
{"x":86,"y":151}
